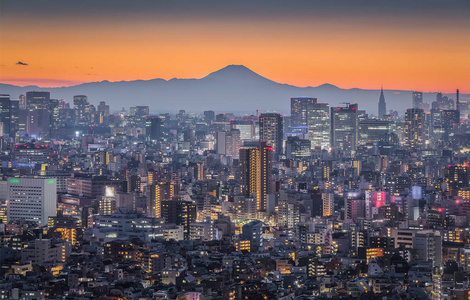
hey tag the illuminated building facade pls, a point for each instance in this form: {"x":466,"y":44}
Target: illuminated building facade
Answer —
{"x":415,"y":128}
{"x":255,"y":173}
{"x":318,"y":122}
{"x":344,"y":128}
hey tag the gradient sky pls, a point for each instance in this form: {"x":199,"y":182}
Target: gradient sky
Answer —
{"x":415,"y":45}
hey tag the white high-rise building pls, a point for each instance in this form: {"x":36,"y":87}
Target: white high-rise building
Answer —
{"x":31,"y":199}
{"x":318,"y":122}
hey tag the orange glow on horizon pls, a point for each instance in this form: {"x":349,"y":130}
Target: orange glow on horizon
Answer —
{"x":298,"y":54}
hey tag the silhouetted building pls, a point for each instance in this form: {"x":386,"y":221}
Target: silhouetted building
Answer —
{"x":382,"y":105}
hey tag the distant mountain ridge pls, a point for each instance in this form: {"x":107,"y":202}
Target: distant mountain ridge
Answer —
{"x":234,"y":88}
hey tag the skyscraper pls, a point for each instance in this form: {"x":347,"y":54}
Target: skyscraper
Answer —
{"x":31,"y":199}
{"x":38,"y":120}
{"x":298,"y":110}
{"x":450,"y":119}
{"x":14,"y":116}
{"x":4,"y":114}
{"x":318,"y":116}
{"x":81,"y":106}
{"x":153,"y":127}
{"x":271,"y":131}
{"x":382,"y":104}
{"x":38,"y":100}
{"x":418,"y":100}
{"x":255,"y":173}
{"x":344,"y":128}
{"x":415,"y":127}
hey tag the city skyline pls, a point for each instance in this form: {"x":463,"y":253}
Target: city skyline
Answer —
{"x":305,"y":43}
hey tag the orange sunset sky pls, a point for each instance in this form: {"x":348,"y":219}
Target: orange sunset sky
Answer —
{"x":410,"y":45}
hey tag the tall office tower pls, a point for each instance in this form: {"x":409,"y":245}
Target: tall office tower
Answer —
{"x":209,"y":117}
{"x":14,"y":116}
{"x":344,"y":128}
{"x":298,"y":110}
{"x":22,"y":99}
{"x":31,"y":199}
{"x":457,"y":101}
{"x":80,"y":103}
{"x":38,"y":121}
{"x":418,"y":100}
{"x":372,"y":130}
{"x":153,"y":128}
{"x":38,"y":100}
{"x":4,"y":115}
{"x":450,"y":119}
{"x":54,"y":109}
{"x":255,"y":173}
{"x":435,"y":123}
{"x":415,"y":130}
{"x":271,"y":131}
{"x":318,"y":122}
{"x":382,"y":104}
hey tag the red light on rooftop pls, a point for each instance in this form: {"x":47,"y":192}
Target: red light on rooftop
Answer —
{"x":458,"y":201}
{"x":440,"y":209}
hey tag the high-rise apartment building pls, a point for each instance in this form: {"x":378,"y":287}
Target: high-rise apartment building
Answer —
{"x":180,"y":213}
{"x":31,"y":199}
{"x":344,"y":128}
{"x":271,"y":131}
{"x":160,"y":192}
{"x":415,"y":129}
{"x":255,"y":173}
